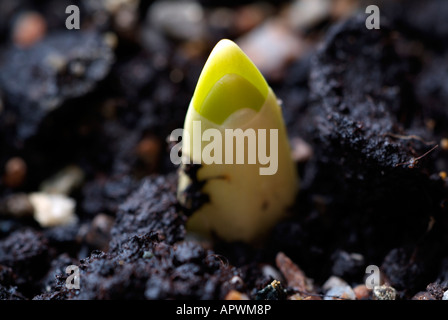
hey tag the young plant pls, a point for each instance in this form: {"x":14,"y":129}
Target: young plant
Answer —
{"x":237,"y":177}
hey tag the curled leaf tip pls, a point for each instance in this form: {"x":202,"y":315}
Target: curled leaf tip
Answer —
{"x":229,"y":82}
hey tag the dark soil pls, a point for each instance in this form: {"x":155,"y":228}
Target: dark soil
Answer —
{"x":371,"y":104}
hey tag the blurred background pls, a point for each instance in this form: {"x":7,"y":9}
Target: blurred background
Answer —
{"x":97,"y":104}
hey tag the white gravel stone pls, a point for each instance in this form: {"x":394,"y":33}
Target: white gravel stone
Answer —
{"x":445,"y":295}
{"x":384,"y":292}
{"x":340,"y":292}
{"x":304,"y":14}
{"x":183,"y":20}
{"x":53,"y":209}
{"x":63,"y":182}
{"x":333,"y":282}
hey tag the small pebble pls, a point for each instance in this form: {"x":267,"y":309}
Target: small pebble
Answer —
{"x":147,"y":255}
{"x":304,"y":14}
{"x":112,"y":6}
{"x":312,"y":297}
{"x":343,"y":8}
{"x":270,"y":271}
{"x":347,"y":265}
{"x":430,"y":124}
{"x":444,"y":143}
{"x":423,"y":295}
{"x":301,"y":150}
{"x":436,"y":290}
{"x":298,"y":296}
{"x":111,"y":40}
{"x":15,"y":172}
{"x":53,"y":209}
{"x":236,"y":295}
{"x":126,"y":15}
{"x":182,"y":20}
{"x":384,"y":292}
{"x":236,"y":280}
{"x":295,"y":277}
{"x":362,"y":292}
{"x":295,"y":296}
{"x":77,"y":68}
{"x":333,"y":282}
{"x":340,"y":293}
{"x":63,"y":182}
{"x":148,"y":150}
{"x":97,"y":234}
{"x":57,"y":62}
{"x":29,"y":28}
{"x":445,"y":295}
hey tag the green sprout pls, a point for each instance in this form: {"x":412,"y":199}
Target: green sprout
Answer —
{"x":231,"y":115}
{"x":228,"y":82}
